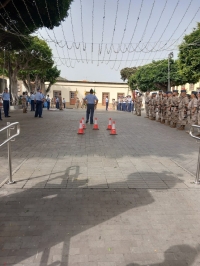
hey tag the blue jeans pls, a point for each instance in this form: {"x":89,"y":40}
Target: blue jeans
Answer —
{"x":106,"y":106}
{"x":48,"y":105}
{"x":90,"y":113}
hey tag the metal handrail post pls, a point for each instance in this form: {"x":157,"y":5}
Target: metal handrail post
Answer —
{"x":197,"y":181}
{"x":9,"y":156}
{"x":8,"y":128}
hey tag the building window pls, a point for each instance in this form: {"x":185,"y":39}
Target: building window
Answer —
{"x":56,"y":93}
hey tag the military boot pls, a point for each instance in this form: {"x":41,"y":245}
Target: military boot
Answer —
{"x":159,"y":120}
{"x":173,"y":125}
{"x":181,"y":128}
{"x":163,"y":121}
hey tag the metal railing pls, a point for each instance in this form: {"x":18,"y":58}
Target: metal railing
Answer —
{"x":10,"y":138}
{"x":197,"y":181}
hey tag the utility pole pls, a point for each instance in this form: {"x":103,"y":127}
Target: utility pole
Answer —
{"x":170,"y":56}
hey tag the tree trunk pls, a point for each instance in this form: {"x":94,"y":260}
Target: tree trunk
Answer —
{"x":14,"y":88}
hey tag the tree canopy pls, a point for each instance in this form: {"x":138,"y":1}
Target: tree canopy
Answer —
{"x":189,"y":56}
{"x":25,"y":17}
{"x":127,"y":72}
{"x":154,"y":76}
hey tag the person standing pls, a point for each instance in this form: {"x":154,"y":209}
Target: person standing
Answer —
{"x":60,"y":102}
{"x":159,"y":100}
{"x":57,"y":103}
{"x":92,"y":100}
{"x":139,"y":104}
{"x":39,"y":102}
{"x":192,"y":106}
{"x":1,"y":104}
{"x":164,"y":108}
{"x":32,"y":101}
{"x":113,"y":104}
{"x":175,"y":101}
{"x":48,"y":102}
{"x":147,"y":99}
{"x":64,"y":103}
{"x":107,"y":102}
{"x":6,"y":102}
{"x":169,"y":106}
{"x":24,"y":102}
{"x":183,"y":104}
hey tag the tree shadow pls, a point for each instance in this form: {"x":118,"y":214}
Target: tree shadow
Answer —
{"x":177,"y":255}
{"x":59,"y":226}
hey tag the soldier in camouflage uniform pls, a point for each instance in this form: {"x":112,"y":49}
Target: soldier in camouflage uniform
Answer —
{"x":169,"y":105}
{"x":153,"y":106}
{"x":147,"y":99}
{"x":183,"y":104}
{"x":139,"y":104}
{"x":164,"y":108}
{"x":159,"y":101}
{"x":175,"y":102}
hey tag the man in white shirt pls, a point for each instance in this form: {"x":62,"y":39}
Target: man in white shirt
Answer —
{"x":32,"y":101}
{"x":48,"y":99}
{"x":64,"y":102}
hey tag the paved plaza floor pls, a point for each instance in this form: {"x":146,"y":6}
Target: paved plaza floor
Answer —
{"x":96,"y":199}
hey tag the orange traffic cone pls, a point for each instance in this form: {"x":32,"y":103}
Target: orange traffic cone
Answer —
{"x":95,"y":127}
{"x":109,"y":124}
{"x":113,"y":130}
{"x":80,"y":130}
{"x":83,"y":123}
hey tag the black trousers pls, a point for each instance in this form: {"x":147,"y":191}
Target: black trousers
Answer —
{"x":38,"y":110}
{"x":32,"y":105}
{"x":6,"y":108}
{"x":90,"y":113}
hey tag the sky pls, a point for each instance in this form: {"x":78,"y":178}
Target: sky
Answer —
{"x":100,"y":37}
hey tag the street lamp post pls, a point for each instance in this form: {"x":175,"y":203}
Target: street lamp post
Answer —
{"x":170,"y":56}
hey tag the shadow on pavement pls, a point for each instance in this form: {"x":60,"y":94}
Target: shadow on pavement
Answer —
{"x":70,"y":226}
{"x":179,"y":255}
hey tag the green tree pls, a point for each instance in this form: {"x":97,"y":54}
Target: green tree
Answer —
{"x":37,"y":56}
{"x":154,"y":76}
{"x":38,"y":78}
{"x":189,"y":56}
{"x":127,"y":72}
{"x":25,"y":17}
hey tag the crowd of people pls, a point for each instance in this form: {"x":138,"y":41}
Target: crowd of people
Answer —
{"x":172,"y":109}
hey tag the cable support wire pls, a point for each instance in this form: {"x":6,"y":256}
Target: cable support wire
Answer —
{"x":135,"y":27}
{"x":82,"y":32}
{"x":74,"y":43}
{"x":179,"y":22}
{"x":64,"y":35}
{"x":114,"y":28}
{"x":125,"y":50}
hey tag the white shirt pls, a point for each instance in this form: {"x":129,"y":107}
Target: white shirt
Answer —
{"x":107,"y":100}
{"x":48,"y":99}
{"x":32,"y":97}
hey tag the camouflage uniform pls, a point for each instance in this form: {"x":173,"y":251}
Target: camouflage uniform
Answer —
{"x":159,"y":101}
{"x":169,"y":104}
{"x":175,"y":102}
{"x":147,"y":99}
{"x":164,"y":108}
{"x":139,"y":101}
{"x":183,"y":103}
